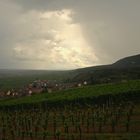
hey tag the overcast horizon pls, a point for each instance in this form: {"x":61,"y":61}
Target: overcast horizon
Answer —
{"x":67,"y":34}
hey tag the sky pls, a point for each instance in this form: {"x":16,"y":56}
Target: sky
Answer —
{"x":67,"y":34}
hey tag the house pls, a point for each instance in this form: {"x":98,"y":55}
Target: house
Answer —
{"x":85,"y":83}
{"x":8,"y":93}
{"x":2,"y":94}
{"x":36,"y":90}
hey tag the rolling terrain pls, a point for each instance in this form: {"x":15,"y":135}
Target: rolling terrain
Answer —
{"x":108,"y":108}
{"x":81,"y":95}
{"x":99,"y":112}
{"x":124,"y":69}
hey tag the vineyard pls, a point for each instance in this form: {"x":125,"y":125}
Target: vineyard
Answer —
{"x":101,"y":112}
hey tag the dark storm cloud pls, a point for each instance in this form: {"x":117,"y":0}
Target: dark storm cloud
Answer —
{"x":110,"y":27}
{"x":115,"y":24}
{"x":46,"y":4}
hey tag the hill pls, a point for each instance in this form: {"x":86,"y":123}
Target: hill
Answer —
{"x":101,"y":112}
{"x":125,"y":69}
{"x":131,"y":61}
{"x":100,"y":93}
{"x":20,"y":78}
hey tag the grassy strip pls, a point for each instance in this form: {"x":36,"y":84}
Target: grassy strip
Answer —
{"x":76,"y":94}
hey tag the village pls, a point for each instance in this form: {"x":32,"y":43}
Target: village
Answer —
{"x":39,"y":87}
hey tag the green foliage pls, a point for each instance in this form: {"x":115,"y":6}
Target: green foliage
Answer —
{"x":114,"y":116}
{"x":31,"y":124}
{"x":78,"y":95}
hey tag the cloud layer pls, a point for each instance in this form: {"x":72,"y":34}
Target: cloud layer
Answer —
{"x":48,"y":34}
{"x":52,"y":40}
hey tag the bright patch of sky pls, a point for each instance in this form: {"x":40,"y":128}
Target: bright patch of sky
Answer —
{"x":52,"y":40}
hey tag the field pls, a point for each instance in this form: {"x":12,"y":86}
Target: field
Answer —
{"x":81,"y":95}
{"x":18,"y":78}
{"x":100,"y":112}
{"x":93,"y":122}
